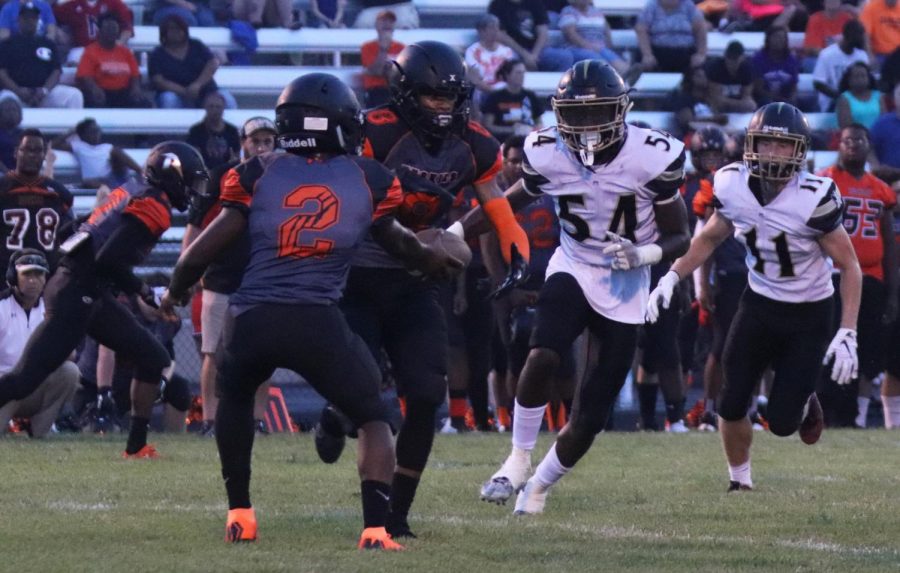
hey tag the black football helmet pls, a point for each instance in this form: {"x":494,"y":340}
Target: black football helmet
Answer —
{"x":708,"y":149}
{"x":783,"y":122}
{"x":430,"y":68}
{"x":590,"y":105}
{"x":318,"y":113}
{"x":178,"y":169}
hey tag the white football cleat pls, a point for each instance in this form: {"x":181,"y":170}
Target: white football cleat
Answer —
{"x":677,"y":427}
{"x":509,"y":479}
{"x":531,"y":499}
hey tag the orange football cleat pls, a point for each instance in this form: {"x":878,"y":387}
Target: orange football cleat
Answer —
{"x":241,"y":525}
{"x":148,"y":452}
{"x":378,"y":538}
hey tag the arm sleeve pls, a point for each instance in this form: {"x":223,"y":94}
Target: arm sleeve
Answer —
{"x":486,"y":151}
{"x":151,"y":212}
{"x":47,"y":14}
{"x":667,"y":184}
{"x":122,"y":251}
{"x":829,"y":213}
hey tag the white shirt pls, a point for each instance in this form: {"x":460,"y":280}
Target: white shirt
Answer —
{"x":487,"y":62}
{"x":830,"y":68}
{"x":16,"y":327}
{"x":786,"y":263}
{"x":613,"y":197}
{"x":93,"y":159}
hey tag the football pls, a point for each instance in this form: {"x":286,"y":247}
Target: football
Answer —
{"x":448,"y":242}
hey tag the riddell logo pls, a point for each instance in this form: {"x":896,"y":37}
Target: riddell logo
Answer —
{"x":295,"y":143}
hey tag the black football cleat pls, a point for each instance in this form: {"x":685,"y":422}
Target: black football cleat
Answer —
{"x":331,"y":434}
{"x":813,"y":423}
{"x":738,"y":486}
{"x":399,"y":527}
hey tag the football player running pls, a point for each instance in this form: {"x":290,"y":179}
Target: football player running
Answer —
{"x":790,"y":223}
{"x":616,"y":192}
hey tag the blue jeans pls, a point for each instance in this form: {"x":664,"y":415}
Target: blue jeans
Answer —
{"x":171,"y":100}
{"x":555,"y":60}
{"x":203,"y":17}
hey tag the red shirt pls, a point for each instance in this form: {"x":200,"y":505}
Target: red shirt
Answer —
{"x":80,"y":16}
{"x":865,"y":200}
{"x":111,"y":69}
{"x":822,"y":31}
{"x":369,"y":52}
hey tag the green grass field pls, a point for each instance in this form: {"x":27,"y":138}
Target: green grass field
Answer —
{"x":637,"y":502}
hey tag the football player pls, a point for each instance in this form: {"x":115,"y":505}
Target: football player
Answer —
{"x":868,"y":219}
{"x":34,"y":207}
{"x":223,"y":277}
{"x":306,"y":212}
{"x":98,"y":260}
{"x":616,"y":188}
{"x":790,"y":223}
{"x":425,"y":136}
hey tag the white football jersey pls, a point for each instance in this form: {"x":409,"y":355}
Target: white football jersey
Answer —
{"x":616,"y":197}
{"x":785,"y":260}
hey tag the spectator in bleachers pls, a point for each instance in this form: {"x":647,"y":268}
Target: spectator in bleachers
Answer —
{"x":836,"y":58}
{"x":192,"y":13}
{"x":181,"y":69}
{"x":30,"y":66}
{"x":881,"y":19}
{"x":9,"y":18}
{"x":731,"y":81}
{"x":890,"y":74}
{"x":692,"y":104}
{"x":512,"y":109}
{"x":100,"y":163}
{"x":10,"y":131}
{"x":377,"y":59}
{"x":327,"y":13}
{"x":671,"y":35}
{"x":484,"y":57}
{"x":217,"y":140}
{"x":407,"y":17}
{"x":21,"y":311}
{"x":108,"y":73}
{"x":860,"y":101}
{"x":824,"y":28}
{"x":266,"y":13}
{"x":80,"y":20}
{"x":885,"y":137}
{"x":775,"y":69}
{"x":587,"y":34}
{"x":525,"y":28}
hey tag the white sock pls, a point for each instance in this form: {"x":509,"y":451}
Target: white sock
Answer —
{"x":862,"y":409}
{"x":526,"y":426}
{"x":891,"y":411}
{"x":740,"y":474}
{"x":550,"y":470}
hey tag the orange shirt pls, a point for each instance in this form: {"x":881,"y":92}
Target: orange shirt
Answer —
{"x":865,"y":200}
{"x":369,"y":52}
{"x":822,"y":31}
{"x":882,"y":25}
{"x":703,"y":198}
{"x":111,"y":69}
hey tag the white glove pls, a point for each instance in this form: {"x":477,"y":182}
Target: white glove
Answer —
{"x":662,"y":293}
{"x":626,"y":256}
{"x":843,"y":350}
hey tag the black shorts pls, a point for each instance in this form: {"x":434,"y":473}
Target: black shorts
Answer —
{"x":312,"y":340}
{"x":391,"y":309}
{"x":729,"y":288}
{"x":791,"y":338}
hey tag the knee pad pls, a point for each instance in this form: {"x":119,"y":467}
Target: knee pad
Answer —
{"x":177,"y":393}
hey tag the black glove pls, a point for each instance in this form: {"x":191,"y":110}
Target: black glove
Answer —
{"x":516,"y":277}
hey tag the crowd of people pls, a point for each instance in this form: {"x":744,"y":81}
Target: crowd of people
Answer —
{"x":309,"y":229}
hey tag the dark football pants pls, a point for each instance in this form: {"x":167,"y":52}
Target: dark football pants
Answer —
{"x":391,"y":309}
{"x":563,"y":313}
{"x":313,"y":341}
{"x":791,"y":338}
{"x":75,"y":307}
